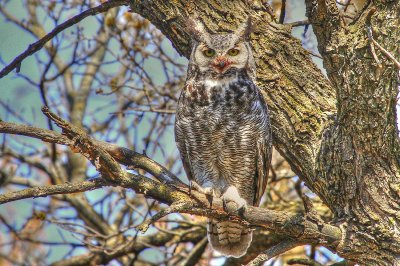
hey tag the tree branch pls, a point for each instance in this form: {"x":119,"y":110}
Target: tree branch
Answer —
{"x":274,"y":251}
{"x":36,"y":46}
{"x":122,"y":155}
{"x":283,"y":12}
{"x":133,"y":245}
{"x":299,"y":23}
{"x":291,"y":224}
{"x":303,"y":262}
{"x":67,"y":188}
{"x":195,"y":254}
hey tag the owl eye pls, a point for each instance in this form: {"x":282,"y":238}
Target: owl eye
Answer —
{"x":209,"y":52}
{"x":233,"y":52}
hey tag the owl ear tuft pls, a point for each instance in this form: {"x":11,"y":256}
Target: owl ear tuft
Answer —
{"x":196,"y":30}
{"x":245,"y":29}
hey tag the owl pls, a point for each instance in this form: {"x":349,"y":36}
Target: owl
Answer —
{"x":222,"y":129}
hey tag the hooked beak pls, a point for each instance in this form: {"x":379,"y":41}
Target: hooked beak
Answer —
{"x":221,"y":63}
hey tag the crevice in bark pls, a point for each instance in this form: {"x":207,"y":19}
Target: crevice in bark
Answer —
{"x":358,"y":159}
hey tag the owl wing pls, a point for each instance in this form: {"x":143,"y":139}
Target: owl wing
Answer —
{"x":263,"y":159}
{"x":183,"y":150}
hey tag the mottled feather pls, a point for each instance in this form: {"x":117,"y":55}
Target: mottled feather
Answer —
{"x":223,"y":132}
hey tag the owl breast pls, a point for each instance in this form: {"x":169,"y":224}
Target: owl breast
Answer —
{"x":219,"y":124}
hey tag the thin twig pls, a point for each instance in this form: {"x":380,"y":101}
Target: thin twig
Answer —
{"x":387,"y":53}
{"x":122,"y":155}
{"x":195,"y":254}
{"x":299,"y":23}
{"x":151,"y":110}
{"x":283,"y":12}
{"x":274,"y":251}
{"x":175,"y":207}
{"x":36,"y":46}
{"x":44,"y":191}
{"x":303,"y":262}
{"x":373,"y":42}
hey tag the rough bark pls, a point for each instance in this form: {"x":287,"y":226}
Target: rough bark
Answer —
{"x":359,"y":160}
{"x":352,"y":160}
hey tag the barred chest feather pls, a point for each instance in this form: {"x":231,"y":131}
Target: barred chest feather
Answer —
{"x":224,"y":95}
{"x":218,"y":125}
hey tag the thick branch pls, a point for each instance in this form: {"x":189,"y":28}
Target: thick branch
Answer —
{"x":122,"y":155}
{"x":291,"y":224}
{"x":325,"y":18}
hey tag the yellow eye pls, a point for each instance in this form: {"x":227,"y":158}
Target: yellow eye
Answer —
{"x":233,"y":52}
{"x":209,"y":52}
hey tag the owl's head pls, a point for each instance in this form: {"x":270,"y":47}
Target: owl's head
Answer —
{"x":223,"y":54}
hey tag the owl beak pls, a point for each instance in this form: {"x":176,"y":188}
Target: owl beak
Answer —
{"x":221,"y":63}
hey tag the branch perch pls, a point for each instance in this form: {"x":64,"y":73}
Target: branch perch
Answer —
{"x":291,"y":224}
{"x":122,"y":155}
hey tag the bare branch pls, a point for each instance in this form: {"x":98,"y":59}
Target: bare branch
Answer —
{"x":135,"y":246}
{"x":290,"y":224}
{"x":175,"y":207}
{"x":195,"y":254}
{"x":36,"y":46}
{"x":303,"y":262}
{"x":383,"y":50}
{"x":122,"y":155}
{"x":283,"y":11}
{"x":299,"y":23}
{"x":67,"y":188}
{"x":274,"y":251}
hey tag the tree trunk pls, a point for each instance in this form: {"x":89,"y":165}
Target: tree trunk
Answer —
{"x":360,"y":153}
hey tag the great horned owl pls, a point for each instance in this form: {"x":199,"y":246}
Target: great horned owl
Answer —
{"x":222,"y":129}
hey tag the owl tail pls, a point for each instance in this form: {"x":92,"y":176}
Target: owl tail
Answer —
{"x":230,"y":239}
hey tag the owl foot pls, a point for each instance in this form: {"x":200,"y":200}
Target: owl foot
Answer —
{"x":194,"y":186}
{"x":208,"y":191}
{"x":232,"y":201}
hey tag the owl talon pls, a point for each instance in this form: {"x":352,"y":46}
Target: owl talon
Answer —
{"x":225,"y":205}
{"x":194,"y":186}
{"x":232,"y":202}
{"x":210,"y":195}
{"x":208,"y":191}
